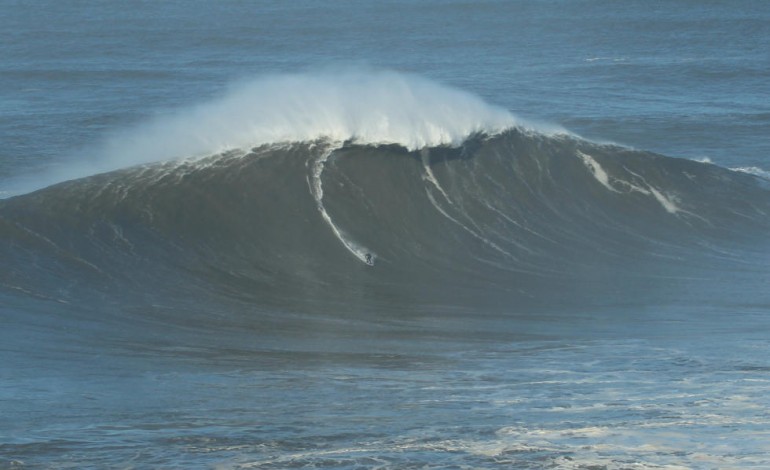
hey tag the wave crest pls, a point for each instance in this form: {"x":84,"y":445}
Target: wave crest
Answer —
{"x":362,"y":106}
{"x":366,"y":107}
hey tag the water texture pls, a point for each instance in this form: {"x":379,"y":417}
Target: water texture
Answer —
{"x":401,"y":235}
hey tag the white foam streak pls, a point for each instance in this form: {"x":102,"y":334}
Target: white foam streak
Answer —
{"x":596,"y":169}
{"x":667,"y":202}
{"x":753,"y":170}
{"x":316,"y":190}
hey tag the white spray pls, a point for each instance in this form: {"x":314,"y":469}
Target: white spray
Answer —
{"x":361,"y":105}
{"x":368,"y":107}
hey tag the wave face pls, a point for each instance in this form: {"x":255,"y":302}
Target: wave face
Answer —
{"x":508,"y":222}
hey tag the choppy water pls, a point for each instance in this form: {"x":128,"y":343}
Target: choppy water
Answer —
{"x":432,"y":235}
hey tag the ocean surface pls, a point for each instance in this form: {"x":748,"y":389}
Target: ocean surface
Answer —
{"x":436,"y":234}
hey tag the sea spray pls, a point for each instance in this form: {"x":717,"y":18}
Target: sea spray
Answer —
{"x":358,"y":105}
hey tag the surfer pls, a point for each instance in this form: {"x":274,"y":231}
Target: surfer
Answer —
{"x":369,"y":259}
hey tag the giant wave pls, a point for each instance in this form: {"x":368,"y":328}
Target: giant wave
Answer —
{"x":480,"y":211}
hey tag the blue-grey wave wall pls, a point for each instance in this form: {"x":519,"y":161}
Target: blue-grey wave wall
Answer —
{"x":512,"y":222}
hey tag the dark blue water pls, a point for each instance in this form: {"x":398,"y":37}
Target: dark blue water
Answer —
{"x":528,"y":307}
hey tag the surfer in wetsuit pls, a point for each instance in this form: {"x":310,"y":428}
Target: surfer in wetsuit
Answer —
{"x":369,"y":259}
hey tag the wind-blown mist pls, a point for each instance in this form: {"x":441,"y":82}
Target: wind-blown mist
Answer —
{"x":362,"y":106}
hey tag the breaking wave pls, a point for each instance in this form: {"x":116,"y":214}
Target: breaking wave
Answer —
{"x":432,"y":198}
{"x":357,"y":105}
{"x":511,"y":215}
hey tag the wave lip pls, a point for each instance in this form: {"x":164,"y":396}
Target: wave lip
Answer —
{"x":362,"y":106}
{"x":359,"y":106}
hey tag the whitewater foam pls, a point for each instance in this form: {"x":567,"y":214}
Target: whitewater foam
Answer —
{"x":364,"y":106}
{"x":753,"y":170}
